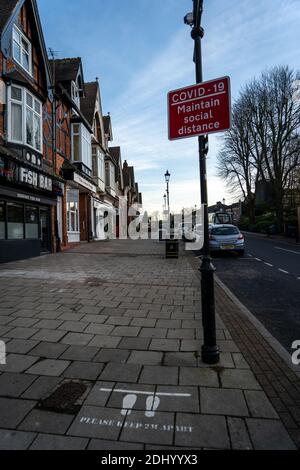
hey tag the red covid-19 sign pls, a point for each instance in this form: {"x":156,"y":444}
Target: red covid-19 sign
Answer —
{"x":200,"y":109}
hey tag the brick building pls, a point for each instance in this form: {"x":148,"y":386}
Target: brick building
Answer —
{"x":28,"y":181}
{"x":59,"y":179}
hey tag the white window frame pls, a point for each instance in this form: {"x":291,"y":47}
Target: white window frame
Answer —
{"x":85,"y":143}
{"x":22,"y":36}
{"x":25,"y":106}
{"x":101,"y":166}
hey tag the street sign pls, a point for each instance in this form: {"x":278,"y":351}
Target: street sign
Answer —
{"x":200,"y":109}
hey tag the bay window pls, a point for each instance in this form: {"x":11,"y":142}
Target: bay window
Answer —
{"x":25,"y":122}
{"x":82,"y":145}
{"x":22,"y":50}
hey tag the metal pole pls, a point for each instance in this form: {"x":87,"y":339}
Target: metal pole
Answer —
{"x":210,"y":350}
{"x":168,"y":196}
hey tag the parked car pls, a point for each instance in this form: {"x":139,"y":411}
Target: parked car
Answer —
{"x":226,"y":238}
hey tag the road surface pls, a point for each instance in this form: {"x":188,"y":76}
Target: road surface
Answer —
{"x":267,"y":282}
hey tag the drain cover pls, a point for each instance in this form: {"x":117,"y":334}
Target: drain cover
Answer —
{"x":65,"y":399}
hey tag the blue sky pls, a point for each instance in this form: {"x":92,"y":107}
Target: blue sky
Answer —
{"x":141,"y":49}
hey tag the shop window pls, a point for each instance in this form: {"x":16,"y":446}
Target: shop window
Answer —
{"x":31,"y":223}
{"x":15,"y":221}
{"x":2,"y":220}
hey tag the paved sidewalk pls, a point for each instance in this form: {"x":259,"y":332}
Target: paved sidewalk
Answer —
{"x":103,"y":353}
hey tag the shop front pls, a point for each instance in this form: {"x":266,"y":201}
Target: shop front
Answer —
{"x":27,"y":204}
{"x":79,"y":194}
{"x":104,"y":220}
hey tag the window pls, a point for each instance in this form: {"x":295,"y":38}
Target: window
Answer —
{"x":225,"y":231}
{"x":15,"y":221}
{"x":101,"y":166}
{"x":73,"y":211}
{"x":22,"y":51}
{"x":25,"y":124}
{"x":82,"y":145}
{"x":31,"y":222}
{"x":112,"y":175}
{"x":76,"y":143}
{"x":2,"y":220}
{"x":107,"y":174}
{"x":75,"y":94}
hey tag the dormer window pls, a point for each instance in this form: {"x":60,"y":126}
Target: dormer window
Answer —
{"x":22,"y":50}
{"x":75,"y":94}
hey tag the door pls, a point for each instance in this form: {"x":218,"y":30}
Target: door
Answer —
{"x":45,"y":230}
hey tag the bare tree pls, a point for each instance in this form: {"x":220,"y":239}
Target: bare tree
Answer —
{"x":264,"y":143}
{"x":236,"y":164}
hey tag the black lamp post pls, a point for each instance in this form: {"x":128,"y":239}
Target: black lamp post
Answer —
{"x":168,"y":177}
{"x":210,"y":350}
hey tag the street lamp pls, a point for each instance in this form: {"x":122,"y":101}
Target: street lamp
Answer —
{"x":168,"y":177}
{"x":210,"y":350}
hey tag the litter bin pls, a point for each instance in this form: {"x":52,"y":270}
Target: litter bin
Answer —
{"x":172,"y":249}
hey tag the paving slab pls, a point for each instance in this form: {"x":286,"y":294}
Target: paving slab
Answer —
{"x":158,"y":430}
{"x":178,"y":399}
{"x":98,"y":444}
{"x":49,"y":367}
{"x":219,"y":401}
{"x":205,"y":377}
{"x":161,"y":375}
{"x":15,"y":440}
{"x":97,"y":422}
{"x":129,"y":396}
{"x":99,"y":394}
{"x":46,"y":422}
{"x":80,"y":353}
{"x":141,"y":344}
{"x":114,"y":372}
{"x":241,"y":379}
{"x":49,"y":350}
{"x":269,"y":435}
{"x":50,"y":442}
{"x":13,"y":385}
{"x":259,"y":405}
{"x":201,"y":431}
{"x":118,"y":356}
{"x":77,"y":339}
{"x":145,"y":358}
{"x":18,"y":363}
{"x":41,"y":388}
{"x":106,"y":341}
{"x":83,"y":370}
{"x":239,"y":435}
{"x":13,"y":411}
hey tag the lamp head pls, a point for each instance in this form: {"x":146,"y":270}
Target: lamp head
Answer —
{"x":167,"y":176}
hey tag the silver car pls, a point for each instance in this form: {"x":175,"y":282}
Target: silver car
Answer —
{"x":226,"y":238}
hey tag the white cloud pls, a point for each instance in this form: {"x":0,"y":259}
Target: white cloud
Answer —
{"x":238,"y":42}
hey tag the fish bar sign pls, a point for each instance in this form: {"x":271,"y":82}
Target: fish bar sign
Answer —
{"x":200,"y":109}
